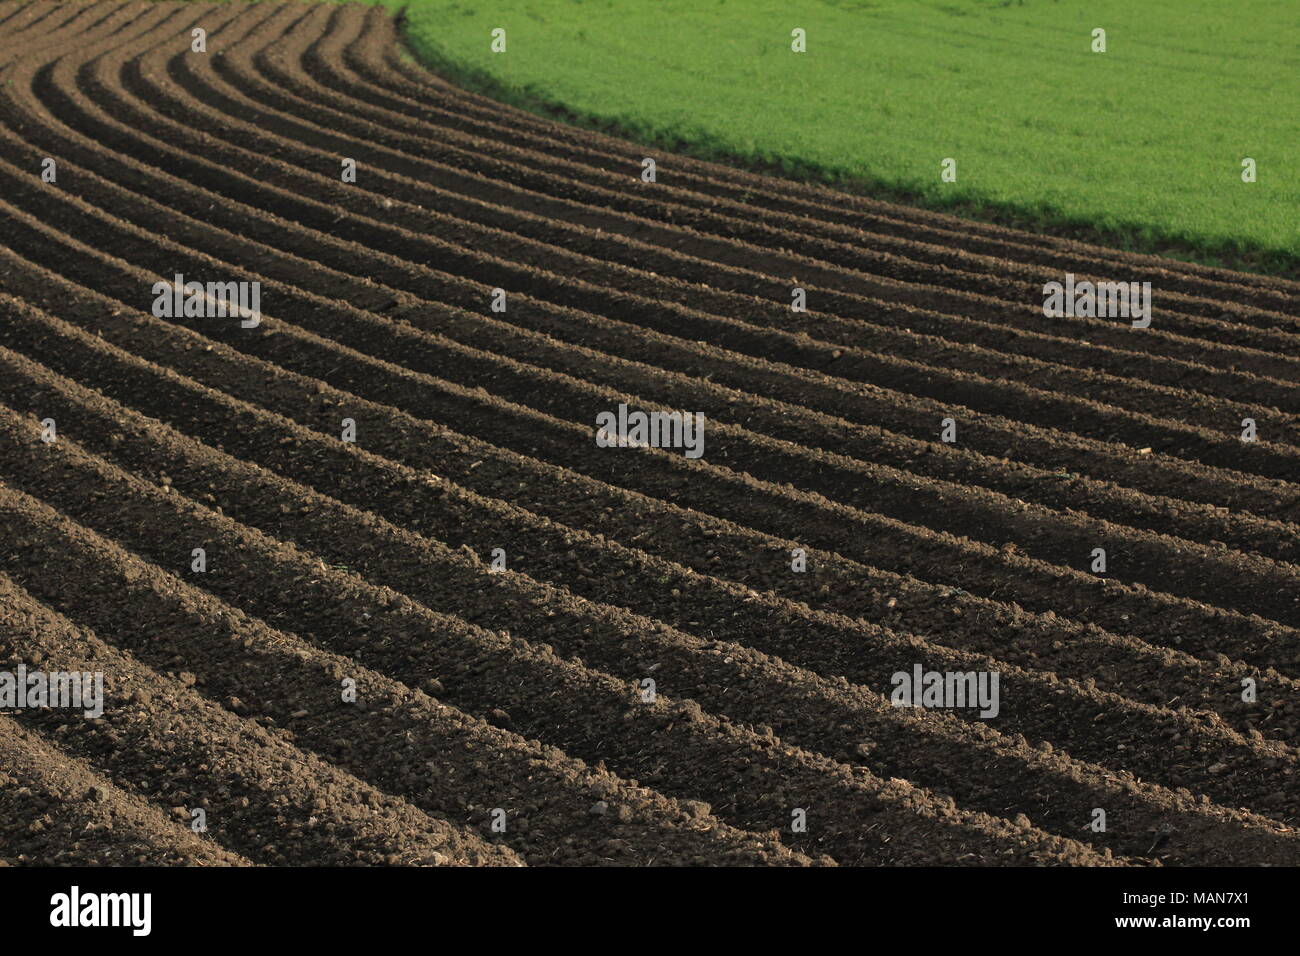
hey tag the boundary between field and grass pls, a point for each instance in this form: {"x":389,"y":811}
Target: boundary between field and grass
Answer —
{"x":1042,"y":217}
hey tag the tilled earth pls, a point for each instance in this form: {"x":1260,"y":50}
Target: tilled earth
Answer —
{"x":486,"y":695}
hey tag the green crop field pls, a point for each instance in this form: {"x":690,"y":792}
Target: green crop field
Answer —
{"x":1141,"y":145}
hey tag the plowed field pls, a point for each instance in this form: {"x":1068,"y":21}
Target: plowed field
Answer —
{"x":486,"y":695}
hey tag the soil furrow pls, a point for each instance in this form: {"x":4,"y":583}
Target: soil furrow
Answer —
{"x":914,"y":456}
{"x":260,"y":796}
{"x":595,"y":713}
{"x":568,"y":444}
{"x":1069,"y":702}
{"x":1167,"y":622}
{"x":1100,"y":416}
{"x":1160,"y":562}
{"x":977,"y":425}
{"x":237,"y":67}
{"x":903,"y":758}
{"x":56,"y":811}
{"x":439,"y":755}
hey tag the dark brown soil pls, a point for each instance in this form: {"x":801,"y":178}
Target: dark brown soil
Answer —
{"x":487,"y":694}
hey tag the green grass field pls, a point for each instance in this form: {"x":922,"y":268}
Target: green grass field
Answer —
{"x":1141,"y":145}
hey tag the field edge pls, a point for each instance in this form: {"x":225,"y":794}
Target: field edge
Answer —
{"x":1047,"y":220}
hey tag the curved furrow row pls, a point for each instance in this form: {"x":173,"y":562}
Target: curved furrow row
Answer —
{"x":407,"y":739}
{"x":1273,"y":501}
{"x":912,"y":457}
{"x":1222,"y":418}
{"x":689,"y":671}
{"x":1263,"y":585}
{"x":783,"y":235}
{"x":778,"y":509}
{"x":412,"y":180}
{"x":414,"y":175}
{"x":1216,"y":416}
{"x":672,"y":745}
{"x":397,"y":492}
{"x":1044,"y":713}
{"x":963,"y":530}
{"x":261,"y":797}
